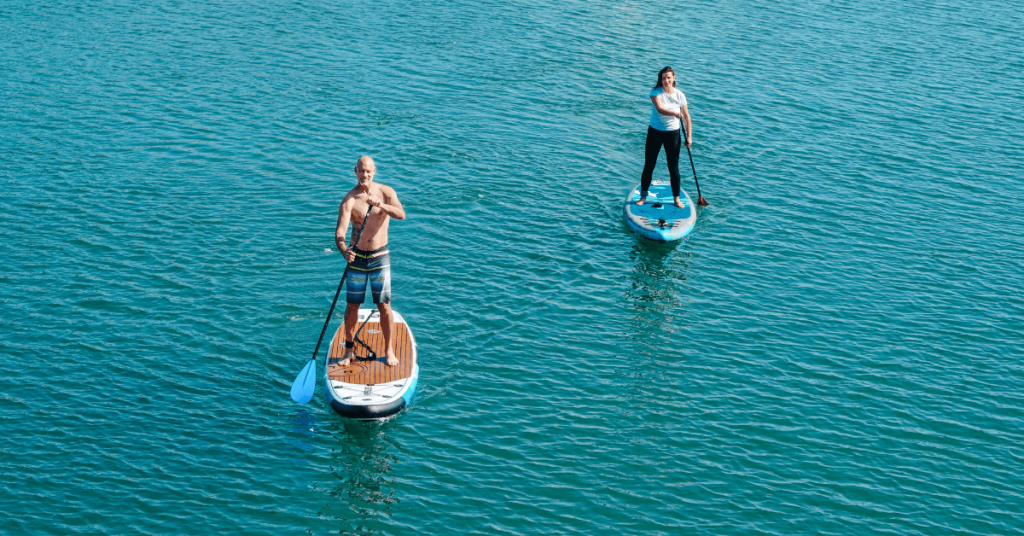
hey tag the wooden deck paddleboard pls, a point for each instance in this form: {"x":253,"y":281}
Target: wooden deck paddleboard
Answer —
{"x":659,"y":218}
{"x":369,"y":390}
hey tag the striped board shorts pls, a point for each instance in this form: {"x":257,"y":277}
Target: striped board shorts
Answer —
{"x":375,"y":267}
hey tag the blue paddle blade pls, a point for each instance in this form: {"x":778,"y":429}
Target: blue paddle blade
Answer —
{"x":305,"y":383}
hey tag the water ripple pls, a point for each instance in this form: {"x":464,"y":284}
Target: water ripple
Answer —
{"x":835,"y":350}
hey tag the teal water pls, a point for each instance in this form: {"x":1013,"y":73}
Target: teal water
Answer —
{"x":836,"y":349}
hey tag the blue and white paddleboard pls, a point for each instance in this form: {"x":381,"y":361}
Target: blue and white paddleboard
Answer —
{"x":368,"y":389}
{"x":659,"y":218}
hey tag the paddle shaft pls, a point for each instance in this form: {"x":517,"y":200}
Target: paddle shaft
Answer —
{"x":359,"y":235}
{"x":699,"y":197}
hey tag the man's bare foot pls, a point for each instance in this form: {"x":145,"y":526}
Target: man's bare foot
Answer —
{"x":642,"y":200}
{"x":347,"y":358}
{"x":392,"y":360}
{"x":679,"y":203}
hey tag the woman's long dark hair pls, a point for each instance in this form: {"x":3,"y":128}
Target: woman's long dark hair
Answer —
{"x":662,"y":73}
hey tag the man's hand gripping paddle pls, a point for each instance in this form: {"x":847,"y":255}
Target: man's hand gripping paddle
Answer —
{"x":700,"y":198}
{"x":305,"y":382}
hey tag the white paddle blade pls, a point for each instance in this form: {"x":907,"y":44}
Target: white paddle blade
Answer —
{"x":305,"y":383}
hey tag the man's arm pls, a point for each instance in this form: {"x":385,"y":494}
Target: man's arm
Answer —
{"x":344,"y":215}
{"x":390,"y":204}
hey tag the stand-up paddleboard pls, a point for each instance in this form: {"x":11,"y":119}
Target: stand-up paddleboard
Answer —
{"x":368,"y":390}
{"x":659,"y":218}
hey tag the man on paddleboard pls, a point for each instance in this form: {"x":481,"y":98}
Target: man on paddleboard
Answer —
{"x":368,"y":260}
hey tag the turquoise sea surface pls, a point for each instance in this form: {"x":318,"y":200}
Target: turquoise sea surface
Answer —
{"x":838,"y":348}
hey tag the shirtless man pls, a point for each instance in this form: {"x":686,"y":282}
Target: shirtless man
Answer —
{"x":368,"y":260}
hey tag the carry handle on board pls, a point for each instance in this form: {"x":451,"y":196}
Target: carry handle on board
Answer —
{"x":370,"y":354}
{"x":305,"y":382}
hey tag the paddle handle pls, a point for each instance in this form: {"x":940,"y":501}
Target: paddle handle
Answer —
{"x":359,"y":234}
{"x":691,"y":161}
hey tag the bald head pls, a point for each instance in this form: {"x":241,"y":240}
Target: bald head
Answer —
{"x":365,"y":162}
{"x":365,"y":169}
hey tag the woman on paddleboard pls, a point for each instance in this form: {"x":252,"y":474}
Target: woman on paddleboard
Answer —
{"x":669,"y":108}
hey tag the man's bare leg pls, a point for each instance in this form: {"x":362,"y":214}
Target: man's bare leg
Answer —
{"x":351,"y":319}
{"x":387,"y":326}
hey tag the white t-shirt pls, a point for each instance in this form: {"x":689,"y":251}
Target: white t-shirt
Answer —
{"x":673,"y":102}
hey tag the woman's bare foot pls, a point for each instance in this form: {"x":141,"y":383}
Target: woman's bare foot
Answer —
{"x":642,"y":200}
{"x":347,"y":358}
{"x":392,"y":360}
{"x":679,"y":202}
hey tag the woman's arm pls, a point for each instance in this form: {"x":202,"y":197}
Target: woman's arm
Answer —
{"x":661,"y":109}
{"x":684,"y":114}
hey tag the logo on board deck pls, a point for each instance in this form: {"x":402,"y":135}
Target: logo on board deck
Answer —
{"x":368,"y":389}
{"x":354,"y":368}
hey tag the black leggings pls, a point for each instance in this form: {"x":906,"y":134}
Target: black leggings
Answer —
{"x":672,"y":142}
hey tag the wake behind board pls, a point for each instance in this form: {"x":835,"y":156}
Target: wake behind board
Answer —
{"x":368,"y":390}
{"x":659,"y":218}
